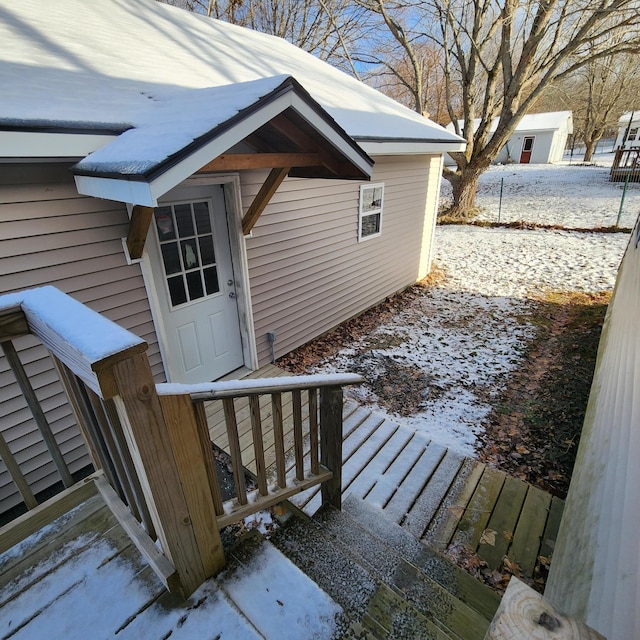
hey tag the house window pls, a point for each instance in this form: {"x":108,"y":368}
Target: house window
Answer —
{"x":633,"y":133}
{"x":370,"y":216}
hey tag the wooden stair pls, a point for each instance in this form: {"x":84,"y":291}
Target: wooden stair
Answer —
{"x":388,"y":584}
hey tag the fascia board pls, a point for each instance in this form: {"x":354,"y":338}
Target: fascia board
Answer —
{"x":38,"y":144}
{"x":410,"y":148}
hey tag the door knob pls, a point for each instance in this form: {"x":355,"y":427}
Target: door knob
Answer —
{"x":232,"y":294}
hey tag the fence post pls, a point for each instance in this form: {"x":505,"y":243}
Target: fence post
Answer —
{"x":170,"y":491}
{"x":331,"y":444}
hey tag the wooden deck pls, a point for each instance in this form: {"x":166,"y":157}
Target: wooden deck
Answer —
{"x":429,"y":493}
{"x":441,"y":497}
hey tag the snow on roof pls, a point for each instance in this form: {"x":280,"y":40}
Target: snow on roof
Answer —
{"x":625,"y":117}
{"x":124,"y":64}
{"x":548,"y":121}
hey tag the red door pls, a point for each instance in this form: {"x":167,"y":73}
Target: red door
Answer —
{"x":527,"y":148}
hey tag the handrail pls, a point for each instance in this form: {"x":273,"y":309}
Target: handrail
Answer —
{"x":238,"y":388}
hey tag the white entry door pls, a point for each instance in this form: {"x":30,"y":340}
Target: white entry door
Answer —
{"x":192,"y":271}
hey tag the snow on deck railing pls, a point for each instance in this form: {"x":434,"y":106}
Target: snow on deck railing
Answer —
{"x":81,"y":338}
{"x":234,"y":388}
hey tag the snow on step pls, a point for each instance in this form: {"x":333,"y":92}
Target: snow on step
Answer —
{"x":360,"y":450}
{"x":399,"y":469}
{"x":413,"y":483}
{"x":280,"y":600}
{"x":363,"y":426}
{"x":363,"y":483}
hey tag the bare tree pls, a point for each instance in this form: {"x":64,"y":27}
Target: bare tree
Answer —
{"x":325,"y":28}
{"x":499,"y":56}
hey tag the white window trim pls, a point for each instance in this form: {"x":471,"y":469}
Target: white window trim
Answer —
{"x":373,"y":212}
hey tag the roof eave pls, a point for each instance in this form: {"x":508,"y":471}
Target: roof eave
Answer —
{"x":410,"y":147}
{"x":147,"y":189}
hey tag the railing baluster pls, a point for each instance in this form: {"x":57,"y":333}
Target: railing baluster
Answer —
{"x":234,"y":449}
{"x":77,"y":394}
{"x":11,"y":355}
{"x":16,"y":475}
{"x":258,"y":445}
{"x":313,"y":431}
{"x":111,"y":414}
{"x":207,"y":452}
{"x":119,"y":470}
{"x":298,"y":444}
{"x":278,"y":438}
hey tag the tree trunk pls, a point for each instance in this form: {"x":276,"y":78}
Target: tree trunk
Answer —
{"x":590,"y":148}
{"x":464,"y":186}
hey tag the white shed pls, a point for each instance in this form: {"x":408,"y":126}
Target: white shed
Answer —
{"x":540,"y":138}
{"x":628,"y":130}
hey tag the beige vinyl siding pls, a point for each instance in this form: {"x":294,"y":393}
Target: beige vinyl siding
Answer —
{"x":308,"y":272}
{"x":52,"y":235}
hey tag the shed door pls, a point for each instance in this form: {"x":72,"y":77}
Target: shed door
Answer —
{"x":527,"y":148}
{"x":193,"y":274}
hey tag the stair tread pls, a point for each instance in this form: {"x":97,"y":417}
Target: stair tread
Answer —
{"x":374,"y":524}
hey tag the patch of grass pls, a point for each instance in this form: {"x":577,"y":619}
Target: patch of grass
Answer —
{"x":534,"y":429}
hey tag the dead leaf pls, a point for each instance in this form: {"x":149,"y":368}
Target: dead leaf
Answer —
{"x":508,"y":535}
{"x":457,"y":511}
{"x":488,"y":537}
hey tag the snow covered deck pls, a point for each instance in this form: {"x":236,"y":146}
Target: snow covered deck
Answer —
{"x":436,"y":495}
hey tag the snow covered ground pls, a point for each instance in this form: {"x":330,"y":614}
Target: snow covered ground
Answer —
{"x":468,"y":333}
{"x":571,"y":195}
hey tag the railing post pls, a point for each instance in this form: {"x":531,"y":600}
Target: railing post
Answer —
{"x":170,"y":470}
{"x":331,"y":444}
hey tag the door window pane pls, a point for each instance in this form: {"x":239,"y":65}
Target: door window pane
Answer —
{"x":176,"y":290}
{"x":211,"y":280}
{"x":184,"y":220}
{"x":206,"y":250}
{"x":203,"y":220}
{"x":171,"y":258}
{"x":164,"y":223}
{"x":190,"y":254}
{"x":194,"y":282}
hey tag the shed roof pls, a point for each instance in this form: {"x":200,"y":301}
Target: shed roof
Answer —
{"x":548,"y":121}
{"x":113,"y":65}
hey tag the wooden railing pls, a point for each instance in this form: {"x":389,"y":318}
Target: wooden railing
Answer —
{"x":286,"y":461}
{"x":626,"y":165}
{"x":152,"y":447}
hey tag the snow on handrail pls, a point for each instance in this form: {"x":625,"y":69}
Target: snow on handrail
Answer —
{"x":232,"y":388}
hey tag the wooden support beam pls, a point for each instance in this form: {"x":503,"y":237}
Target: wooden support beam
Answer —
{"x":151,"y":448}
{"x":331,"y":444}
{"x":195,"y":467}
{"x":13,"y":324}
{"x":138,"y":228}
{"x":140,"y":538}
{"x":16,"y":474}
{"x":36,"y":410}
{"x":270,"y":186}
{"x":524,"y":613}
{"x":242,"y":161}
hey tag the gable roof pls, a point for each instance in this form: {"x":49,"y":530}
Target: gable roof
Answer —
{"x":548,"y":121}
{"x":103,"y":66}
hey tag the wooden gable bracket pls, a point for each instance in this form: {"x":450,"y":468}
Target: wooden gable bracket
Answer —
{"x":270,"y":186}
{"x":241,"y":161}
{"x":138,"y":228}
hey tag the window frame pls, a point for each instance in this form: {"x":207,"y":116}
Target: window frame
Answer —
{"x":373,"y":212}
